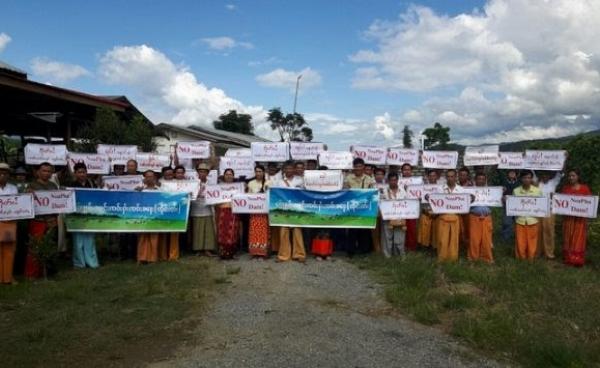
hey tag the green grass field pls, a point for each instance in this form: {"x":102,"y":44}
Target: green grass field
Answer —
{"x":105,"y":223}
{"x":297,"y":218}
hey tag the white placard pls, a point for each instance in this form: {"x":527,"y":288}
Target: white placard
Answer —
{"x":196,"y":149}
{"x":250,"y":203}
{"x":16,"y":207}
{"x":270,"y":152}
{"x":49,"y":202}
{"x":55,"y":154}
{"x":511,"y":160}
{"x":413,"y":180}
{"x":191,"y":187}
{"x":117,"y":154}
{"x":95,"y":163}
{"x":152,"y":161}
{"x":336,"y":160}
{"x":420,"y":191}
{"x":439,"y":159}
{"x":306,"y":150}
{"x":486,"y":196}
{"x":123,"y":182}
{"x":527,"y":206}
{"x":191,"y":175}
{"x":481,"y":156}
{"x":401,"y":156}
{"x":187,"y":163}
{"x":323,"y":180}
{"x":399,"y":209}
{"x":222,"y":193}
{"x":575,"y":205}
{"x":447,"y":203}
{"x":545,"y":160}
{"x":242,"y":166}
{"x":213,"y":177}
{"x":370,"y":154}
{"x":238,"y":152}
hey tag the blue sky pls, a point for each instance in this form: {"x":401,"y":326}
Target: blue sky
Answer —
{"x":372,"y":66}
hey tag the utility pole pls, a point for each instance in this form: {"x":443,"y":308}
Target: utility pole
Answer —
{"x":296,"y":96}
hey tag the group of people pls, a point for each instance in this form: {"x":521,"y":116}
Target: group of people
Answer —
{"x":217,"y":231}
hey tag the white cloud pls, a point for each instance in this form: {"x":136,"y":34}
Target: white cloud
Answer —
{"x":281,"y":78}
{"x":4,"y":40}
{"x":225,"y":43}
{"x":518,"y":65}
{"x":56,"y":71}
{"x":230,"y":7}
{"x":183,"y":99}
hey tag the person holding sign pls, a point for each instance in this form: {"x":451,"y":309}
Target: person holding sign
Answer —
{"x":84,"y":244}
{"x":147,"y":245}
{"x":203,"y":225}
{"x":393,"y":231}
{"x":168,"y":243}
{"x":228,"y":224}
{"x":410,"y":242}
{"x":575,"y":228}
{"x":448,"y":224}
{"x":359,"y":240}
{"x":427,"y":228}
{"x":546,"y":236}
{"x":464,"y":180}
{"x":480,"y":228}
{"x":258,"y":232}
{"x":526,"y":229}
{"x":8,"y":231}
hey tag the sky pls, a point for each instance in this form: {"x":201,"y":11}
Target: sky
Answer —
{"x":493,"y":71}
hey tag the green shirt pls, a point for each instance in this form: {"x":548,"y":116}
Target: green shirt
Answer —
{"x":533,"y":191}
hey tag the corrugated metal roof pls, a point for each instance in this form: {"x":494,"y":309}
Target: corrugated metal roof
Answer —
{"x":222,"y":137}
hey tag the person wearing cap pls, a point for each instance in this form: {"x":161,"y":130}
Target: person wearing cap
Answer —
{"x":21,"y":179}
{"x":203,"y":224}
{"x":526,"y":229}
{"x":8,"y":231}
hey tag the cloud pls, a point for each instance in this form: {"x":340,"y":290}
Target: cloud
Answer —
{"x":514,"y":66}
{"x":230,"y":7}
{"x":184,"y":100}
{"x":281,"y":78}
{"x":4,"y":41}
{"x":224,"y":43}
{"x":56,"y":71}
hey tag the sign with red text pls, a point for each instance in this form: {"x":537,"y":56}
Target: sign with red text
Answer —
{"x":270,"y":152}
{"x":55,"y":154}
{"x":545,"y":160}
{"x":196,"y":149}
{"x":400,"y":156}
{"x":439,"y":159}
{"x":420,"y":191}
{"x":95,"y":163}
{"x":486,"y":196}
{"x":192,"y":187}
{"x":336,"y":160}
{"x":117,"y":154}
{"x":222,"y":193}
{"x":527,"y":206}
{"x":49,"y":202}
{"x":241,"y":166}
{"x":250,"y":203}
{"x":413,"y":180}
{"x":370,"y":154}
{"x":152,"y":161}
{"x":511,"y":160}
{"x":123,"y":182}
{"x":575,"y":205}
{"x":448,"y":203}
{"x":238,"y":152}
{"x":323,"y":180}
{"x":399,"y":209}
{"x":306,"y":150}
{"x":481,"y":156}
{"x":16,"y":207}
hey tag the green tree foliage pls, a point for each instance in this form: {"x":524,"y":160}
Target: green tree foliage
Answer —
{"x":108,"y":128}
{"x":437,"y":137}
{"x":407,"y":136}
{"x":234,"y":122}
{"x":291,"y":127}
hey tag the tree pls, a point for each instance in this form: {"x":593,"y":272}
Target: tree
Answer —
{"x":291,"y":127}
{"x":234,"y":122}
{"x":407,"y":136}
{"x":437,"y":137}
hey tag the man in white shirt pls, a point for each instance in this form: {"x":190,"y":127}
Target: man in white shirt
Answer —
{"x":393,"y":231}
{"x":546,"y":242}
{"x":8,"y":231}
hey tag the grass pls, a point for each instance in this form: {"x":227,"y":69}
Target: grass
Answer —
{"x":103,"y":223}
{"x":540,"y":314}
{"x":116,"y":316}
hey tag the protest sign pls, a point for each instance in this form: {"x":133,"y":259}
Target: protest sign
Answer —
{"x":486,"y":196}
{"x":481,"y":156}
{"x":413,"y":180}
{"x":250,"y":203}
{"x":575,"y":205}
{"x":270,"y":152}
{"x":16,"y":207}
{"x":448,"y":203}
{"x":400,"y":156}
{"x":152,"y":161}
{"x":511,"y":160}
{"x":527,"y":206}
{"x":399,"y":209}
{"x":355,"y":208}
{"x":545,"y":160}
{"x":222,"y":193}
{"x":190,"y":150}
{"x":124,"y":182}
{"x":49,"y":202}
{"x":55,"y":154}
{"x":336,"y":160}
{"x":420,"y":191}
{"x":192,"y":187}
{"x":241,"y":166}
{"x":238,"y":152}
{"x":439,"y":159}
{"x":117,"y":154}
{"x":306,"y":150}
{"x":95,"y":163}
{"x":370,"y":154}
{"x":323,"y":180}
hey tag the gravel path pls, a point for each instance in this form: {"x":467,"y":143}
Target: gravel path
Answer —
{"x":321,"y":314}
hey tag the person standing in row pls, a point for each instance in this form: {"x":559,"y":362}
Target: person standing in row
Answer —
{"x":427,"y":228}
{"x":547,"y":227}
{"x":509,"y":183}
{"x":393,"y":231}
{"x":258,"y":233}
{"x":290,"y":248}
{"x":448,"y":227}
{"x":8,"y":231}
{"x":526,"y":229}
{"x":168,"y":243}
{"x":575,"y":228}
{"x":84,"y":244}
{"x":359,"y":240}
{"x":464,"y":180}
{"x":228,"y":224}
{"x":411,"y":224}
{"x":203,"y":225}
{"x":480,"y":228}
{"x":147,"y":245}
